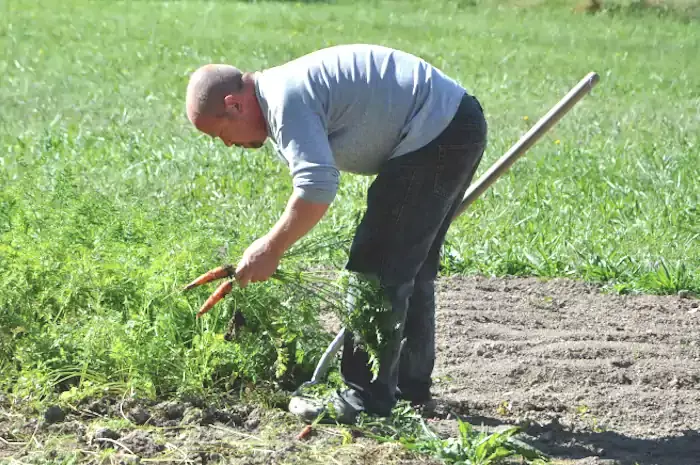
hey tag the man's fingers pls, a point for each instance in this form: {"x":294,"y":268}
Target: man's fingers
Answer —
{"x":243,"y":281}
{"x":242,"y":275}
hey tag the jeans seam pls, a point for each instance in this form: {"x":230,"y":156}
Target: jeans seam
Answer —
{"x":399,"y":214}
{"x":397,"y":222}
{"x":444,"y":150}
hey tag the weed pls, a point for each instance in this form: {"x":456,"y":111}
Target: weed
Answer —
{"x":469,"y":448}
{"x":473,"y":448}
{"x":585,"y":414}
{"x":504,"y":408}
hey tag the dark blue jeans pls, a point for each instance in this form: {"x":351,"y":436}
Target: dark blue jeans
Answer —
{"x":410,"y":206}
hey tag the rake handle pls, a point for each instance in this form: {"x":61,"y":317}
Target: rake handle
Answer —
{"x":528,"y":140}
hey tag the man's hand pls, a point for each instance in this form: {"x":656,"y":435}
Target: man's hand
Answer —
{"x":263,"y":256}
{"x":259,"y":262}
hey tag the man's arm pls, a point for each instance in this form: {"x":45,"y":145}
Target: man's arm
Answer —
{"x":303,"y":142}
{"x":262,"y":258}
{"x":298,"y":219}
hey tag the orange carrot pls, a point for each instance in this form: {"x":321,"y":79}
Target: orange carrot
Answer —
{"x":305,"y":432}
{"x":218,"y":294}
{"x":217,"y":273}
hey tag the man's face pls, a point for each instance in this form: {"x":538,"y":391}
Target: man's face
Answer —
{"x":232,"y":130}
{"x":235,"y":127}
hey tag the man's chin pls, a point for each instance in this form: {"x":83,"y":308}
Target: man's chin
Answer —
{"x":253,"y":145}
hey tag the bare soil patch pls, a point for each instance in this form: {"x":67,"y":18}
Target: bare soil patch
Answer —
{"x":590,"y":376}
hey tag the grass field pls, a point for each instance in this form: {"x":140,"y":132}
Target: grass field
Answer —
{"x":110,"y":201}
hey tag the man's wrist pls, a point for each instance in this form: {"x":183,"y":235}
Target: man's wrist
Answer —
{"x":275,"y":243}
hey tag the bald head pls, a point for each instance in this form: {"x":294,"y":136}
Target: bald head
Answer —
{"x":222,"y":102}
{"x":208,"y":87}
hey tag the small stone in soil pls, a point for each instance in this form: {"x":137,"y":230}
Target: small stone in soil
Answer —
{"x":139,"y":415}
{"x":196,"y":416}
{"x":54,"y":414}
{"x":129,"y":460}
{"x":208,"y":416}
{"x":99,"y":407}
{"x":174,"y":411}
{"x":253,"y":420}
{"x":140,"y":442}
{"x":192,"y":416}
{"x":622,"y":363}
{"x":229,"y":418}
{"x":251,"y":423}
{"x":105,"y":433}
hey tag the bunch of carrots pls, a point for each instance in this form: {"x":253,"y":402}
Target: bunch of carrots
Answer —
{"x":309,"y":282}
{"x":312,"y":284}
{"x":225,"y":271}
{"x":358,"y":303}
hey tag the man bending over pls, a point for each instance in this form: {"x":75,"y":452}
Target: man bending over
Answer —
{"x":368,"y":110}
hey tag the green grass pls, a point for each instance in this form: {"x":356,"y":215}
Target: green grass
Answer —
{"x":110,"y":201}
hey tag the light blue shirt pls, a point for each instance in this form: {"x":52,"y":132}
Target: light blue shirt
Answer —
{"x":351,"y":108}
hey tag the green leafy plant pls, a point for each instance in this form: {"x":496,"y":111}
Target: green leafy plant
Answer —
{"x":474,"y":448}
{"x":470,"y":447}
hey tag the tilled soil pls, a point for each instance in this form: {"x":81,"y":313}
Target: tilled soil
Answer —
{"x":591,"y":378}
{"x":119,"y":432}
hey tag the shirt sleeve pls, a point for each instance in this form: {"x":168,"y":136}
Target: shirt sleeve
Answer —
{"x":302,"y":140}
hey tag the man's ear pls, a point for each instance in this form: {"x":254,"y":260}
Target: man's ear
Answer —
{"x":231,"y":102}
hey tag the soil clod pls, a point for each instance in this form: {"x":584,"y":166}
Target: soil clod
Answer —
{"x":54,"y":414}
{"x":100,"y":436}
{"x":139,"y":415}
{"x":140,"y":442}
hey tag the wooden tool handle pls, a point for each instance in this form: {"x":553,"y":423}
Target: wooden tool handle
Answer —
{"x":528,"y":140}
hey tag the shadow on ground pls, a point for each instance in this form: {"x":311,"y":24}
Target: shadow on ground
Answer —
{"x":558,"y":442}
